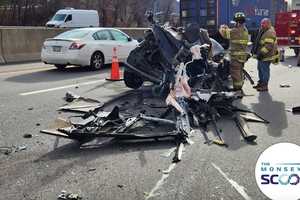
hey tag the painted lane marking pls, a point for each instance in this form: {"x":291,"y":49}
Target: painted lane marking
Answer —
{"x":161,"y":182}
{"x":240,"y":189}
{"x":62,"y":87}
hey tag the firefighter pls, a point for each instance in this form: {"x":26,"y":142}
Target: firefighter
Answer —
{"x":265,"y":49}
{"x":238,"y":37}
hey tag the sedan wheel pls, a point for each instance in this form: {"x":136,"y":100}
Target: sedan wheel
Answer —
{"x":60,"y":67}
{"x":97,"y":61}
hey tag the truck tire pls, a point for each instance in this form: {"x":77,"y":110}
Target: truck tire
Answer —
{"x":132,"y":80}
{"x":296,"y":51}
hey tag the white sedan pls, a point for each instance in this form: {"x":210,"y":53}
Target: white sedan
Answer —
{"x":87,"y":47}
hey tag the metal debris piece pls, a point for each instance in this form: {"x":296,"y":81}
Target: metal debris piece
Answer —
{"x":92,"y":169}
{"x":179,"y":152}
{"x":70,"y":97}
{"x":296,"y":110}
{"x":244,"y":129}
{"x":120,"y":186}
{"x":60,"y":123}
{"x":68,"y":196}
{"x":21,"y":148}
{"x":27,"y":136}
{"x":6,"y":150}
{"x":251,"y":118}
{"x":285,"y":85}
{"x":77,"y":103}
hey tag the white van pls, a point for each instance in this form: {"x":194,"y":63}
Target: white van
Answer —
{"x":73,"y":18}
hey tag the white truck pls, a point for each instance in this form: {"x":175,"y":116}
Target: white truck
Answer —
{"x":74,"y":18}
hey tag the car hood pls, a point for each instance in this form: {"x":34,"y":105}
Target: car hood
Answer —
{"x":55,"y":23}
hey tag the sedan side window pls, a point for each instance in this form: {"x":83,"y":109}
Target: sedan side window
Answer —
{"x":102,"y":35}
{"x":119,"y":36}
{"x":69,"y":18}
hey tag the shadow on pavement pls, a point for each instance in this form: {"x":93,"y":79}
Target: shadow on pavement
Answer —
{"x":290,"y":61}
{"x":113,"y":147}
{"x":55,"y":75}
{"x":273,"y":111}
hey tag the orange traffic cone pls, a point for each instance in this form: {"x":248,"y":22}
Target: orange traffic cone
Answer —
{"x":115,"y":74}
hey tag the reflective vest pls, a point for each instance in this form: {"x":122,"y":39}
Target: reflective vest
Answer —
{"x":268,"y":47}
{"x":239,"y":38}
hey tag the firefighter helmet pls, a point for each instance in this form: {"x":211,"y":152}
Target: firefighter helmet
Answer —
{"x":239,"y":17}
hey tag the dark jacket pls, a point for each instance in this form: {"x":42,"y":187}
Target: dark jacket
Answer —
{"x":220,"y":39}
{"x":265,"y":46}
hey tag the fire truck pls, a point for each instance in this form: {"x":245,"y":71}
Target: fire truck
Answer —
{"x":287,"y":25}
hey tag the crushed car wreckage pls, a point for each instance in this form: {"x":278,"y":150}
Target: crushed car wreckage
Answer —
{"x":190,"y":90}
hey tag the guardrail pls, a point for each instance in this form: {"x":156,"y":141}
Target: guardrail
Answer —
{"x":23,"y":44}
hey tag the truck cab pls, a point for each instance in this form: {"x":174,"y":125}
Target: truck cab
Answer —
{"x":74,"y":18}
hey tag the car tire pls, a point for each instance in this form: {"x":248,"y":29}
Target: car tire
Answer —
{"x":132,"y":80}
{"x":296,"y":51}
{"x":60,"y":67}
{"x":97,"y":61}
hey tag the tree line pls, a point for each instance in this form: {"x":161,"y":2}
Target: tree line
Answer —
{"x":116,"y":13}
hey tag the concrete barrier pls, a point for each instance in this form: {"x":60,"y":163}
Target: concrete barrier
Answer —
{"x":135,"y":33}
{"x":19,"y":45}
{"x":23,"y":44}
{"x":2,"y":61}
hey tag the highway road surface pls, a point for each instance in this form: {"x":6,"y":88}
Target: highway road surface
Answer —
{"x":31,"y":93}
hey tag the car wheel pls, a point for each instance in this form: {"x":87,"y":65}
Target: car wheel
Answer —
{"x":132,"y":80}
{"x":296,"y":51}
{"x":97,"y":61}
{"x":60,"y":67}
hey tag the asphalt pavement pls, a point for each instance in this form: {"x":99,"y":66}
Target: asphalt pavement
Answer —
{"x":31,"y":93}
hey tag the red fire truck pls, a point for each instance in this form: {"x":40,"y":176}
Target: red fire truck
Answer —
{"x":287,"y":25}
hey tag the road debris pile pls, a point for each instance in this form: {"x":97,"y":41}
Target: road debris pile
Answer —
{"x":189,"y":92}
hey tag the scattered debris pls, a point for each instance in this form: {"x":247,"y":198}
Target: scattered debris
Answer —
{"x":296,"y":110}
{"x":27,"y":136}
{"x":92,"y":169}
{"x":120,"y":186}
{"x":68,"y":196}
{"x":31,"y":108}
{"x":191,"y":94}
{"x":12,"y":149}
{"x":21,"y":148}
{"x":38,"y":124}
{"x":6,"y":150}
{"x":285,"y":85}
{"x":80,"y":104}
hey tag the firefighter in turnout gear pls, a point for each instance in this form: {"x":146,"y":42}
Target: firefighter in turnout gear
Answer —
{"x":265,"y":49}
{"x":239,"y":38}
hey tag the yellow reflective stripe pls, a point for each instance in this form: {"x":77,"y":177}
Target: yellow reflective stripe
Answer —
{"x":271,"y":58}
{"x":238,"y":84}
{"x":227,"y":34}
{"x":264,"y":50}
{"x":238,"y":53}
{"x":269,"y":40}
{"x":245,"y":42}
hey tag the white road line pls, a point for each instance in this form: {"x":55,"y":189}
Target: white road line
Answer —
{"x":161,"y":182}
{"x":61,"y":88}
{"x":240,"y":189}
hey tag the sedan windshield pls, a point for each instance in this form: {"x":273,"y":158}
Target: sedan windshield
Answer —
{"x":74,"y":34}
{"x":59,"y":17}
